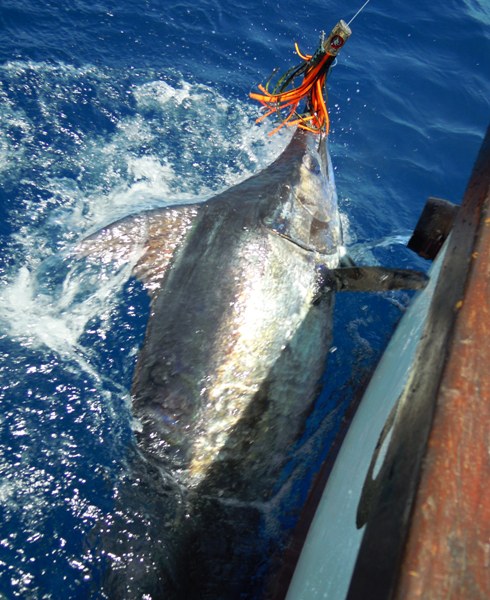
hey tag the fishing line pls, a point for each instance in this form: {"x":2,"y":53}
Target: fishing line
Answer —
{"x":359,"y":11}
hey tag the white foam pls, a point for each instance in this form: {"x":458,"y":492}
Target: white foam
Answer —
{"x":160,"y":93}
{"x":56,"y":318}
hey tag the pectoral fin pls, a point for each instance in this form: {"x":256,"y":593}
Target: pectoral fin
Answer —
{"x":372,"y":279}
{"x":148,"y":239}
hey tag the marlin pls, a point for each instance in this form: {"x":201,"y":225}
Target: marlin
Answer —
{"x":242,"y":290}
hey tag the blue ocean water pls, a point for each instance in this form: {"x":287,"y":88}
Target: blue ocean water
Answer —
{"x":107,"y":108}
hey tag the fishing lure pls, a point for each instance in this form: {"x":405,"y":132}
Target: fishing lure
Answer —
{"x":284,"y":99}
{"x":284,"y":102}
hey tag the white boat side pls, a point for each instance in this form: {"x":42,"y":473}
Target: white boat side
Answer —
{"x":329,"y":554}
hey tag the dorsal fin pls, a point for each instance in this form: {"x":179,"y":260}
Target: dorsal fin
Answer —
{"x":151,"y":238}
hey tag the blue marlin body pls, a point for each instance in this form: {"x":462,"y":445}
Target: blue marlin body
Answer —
{"x":242,"y":290}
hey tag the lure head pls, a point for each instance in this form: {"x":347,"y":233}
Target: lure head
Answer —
{"x":337,"y":38}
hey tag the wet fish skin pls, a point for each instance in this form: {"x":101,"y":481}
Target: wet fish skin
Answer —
{"x":234,"y":346}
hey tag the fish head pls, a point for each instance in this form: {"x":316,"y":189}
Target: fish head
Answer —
{"x":306,"y":209}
